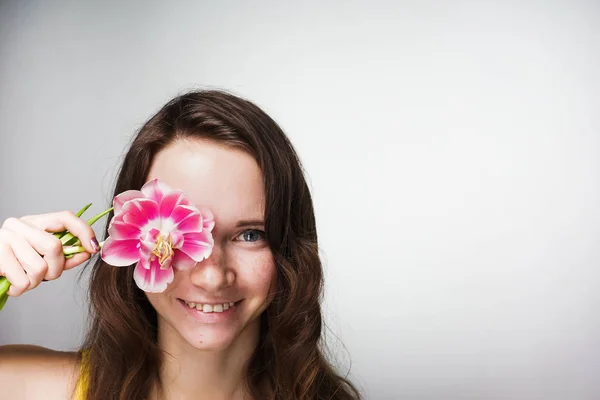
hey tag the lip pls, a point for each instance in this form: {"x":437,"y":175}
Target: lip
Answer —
{"x":212,"y":302}
{"x":212,"y":317}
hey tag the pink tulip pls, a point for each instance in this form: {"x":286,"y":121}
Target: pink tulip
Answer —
{"x":158,"y":228}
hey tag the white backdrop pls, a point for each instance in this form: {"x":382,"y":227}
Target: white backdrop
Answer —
{"x":452,"y":149}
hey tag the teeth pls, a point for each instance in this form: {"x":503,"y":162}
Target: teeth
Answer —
{"x":208,"y":308}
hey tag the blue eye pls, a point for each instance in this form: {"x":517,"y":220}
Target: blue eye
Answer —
{"x":252,"y":235}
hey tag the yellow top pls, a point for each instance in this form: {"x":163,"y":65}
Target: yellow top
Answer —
{"x":82,"y":381}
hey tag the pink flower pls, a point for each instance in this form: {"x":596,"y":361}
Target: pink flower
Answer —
{"x":158,"y":228}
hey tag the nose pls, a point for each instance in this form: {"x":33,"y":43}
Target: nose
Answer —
{"x":212,"y":274}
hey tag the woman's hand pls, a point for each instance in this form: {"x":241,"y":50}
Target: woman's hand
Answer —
{"x":30,"y":253}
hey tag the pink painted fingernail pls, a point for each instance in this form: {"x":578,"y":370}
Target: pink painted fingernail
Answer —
{"x":95,"y":244}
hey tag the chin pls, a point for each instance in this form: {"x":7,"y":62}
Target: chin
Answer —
{"x":210,"y":332}
{"x":235,"y":326}
{"x":209,"y":339}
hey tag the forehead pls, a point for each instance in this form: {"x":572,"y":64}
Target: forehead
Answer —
{"x":225,"y":179}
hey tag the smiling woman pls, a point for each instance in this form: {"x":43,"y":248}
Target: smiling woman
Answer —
{"x":243,"y":322}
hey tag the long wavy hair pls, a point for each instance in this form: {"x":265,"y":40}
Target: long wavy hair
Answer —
{"x":123,"y":359}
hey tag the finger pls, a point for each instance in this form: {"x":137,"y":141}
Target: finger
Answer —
{"x":33,"y":264}
{"x":10,"y":267}
{"x":44,"y":243}
{"x":66,"y":220}
{"x":77,"y":259}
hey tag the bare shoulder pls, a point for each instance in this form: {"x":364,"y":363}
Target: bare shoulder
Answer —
{"x":33,"y":372}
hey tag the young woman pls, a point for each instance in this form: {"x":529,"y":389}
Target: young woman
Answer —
{"x":245,"y":323}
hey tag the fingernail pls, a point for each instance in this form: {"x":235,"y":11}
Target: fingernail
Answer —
{"x":95,"y":244}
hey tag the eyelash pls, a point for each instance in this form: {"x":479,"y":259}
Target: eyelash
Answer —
{"x":261,"y":234}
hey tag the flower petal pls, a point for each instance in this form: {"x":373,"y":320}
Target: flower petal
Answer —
{"x":176,"y":239}
{"x":197,"y":245}
{"x":152,"y":235}
{"x":155,"y":190}
{"x":146,"y":248}
{"x":140,"y":213}
{"x":120,"y":253}
{"x":148,"y":262}
{"x":186,"y":219}
{"x":182,"y":261}
{"x":208,"y":219}
{"x":124,"y":197}
{"x":120,"y":230}
{"x":170,"y":201}
{"x":153,"y":279}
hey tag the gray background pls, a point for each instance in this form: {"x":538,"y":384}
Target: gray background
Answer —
{"x":452,"y":148}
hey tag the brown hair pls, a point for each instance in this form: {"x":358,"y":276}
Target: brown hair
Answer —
{"x":124,"y":359}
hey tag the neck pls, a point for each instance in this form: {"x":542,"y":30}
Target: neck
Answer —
{"x":187,"y":373}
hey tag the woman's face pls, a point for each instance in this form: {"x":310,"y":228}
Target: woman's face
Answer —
{"x":240,"y":269}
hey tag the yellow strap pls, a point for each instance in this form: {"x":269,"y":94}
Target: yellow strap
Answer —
{"x":82,"y":381}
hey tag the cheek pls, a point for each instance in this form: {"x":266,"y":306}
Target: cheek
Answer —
{"x":160,"y":301}
{"x":155,"y":300}
{"x":257,"y":272}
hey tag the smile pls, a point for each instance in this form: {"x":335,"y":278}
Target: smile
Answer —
{"x":210,"y":308}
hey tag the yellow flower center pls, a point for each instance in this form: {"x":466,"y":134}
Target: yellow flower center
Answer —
{"x":163,"y":249}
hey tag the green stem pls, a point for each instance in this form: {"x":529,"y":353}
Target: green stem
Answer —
{"x":4,"y":286}
{"x":93,"y":220}
{"x":3,"y":299}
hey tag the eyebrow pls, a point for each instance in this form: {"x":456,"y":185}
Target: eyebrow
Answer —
{"x":250,"y":222}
